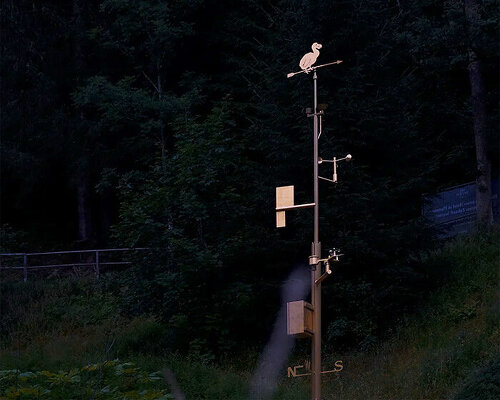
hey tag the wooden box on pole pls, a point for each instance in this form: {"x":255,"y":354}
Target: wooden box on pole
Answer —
{"x":299,"y":318}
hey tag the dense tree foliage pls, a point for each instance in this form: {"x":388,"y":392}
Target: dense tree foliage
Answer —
{"x":168,"y":125}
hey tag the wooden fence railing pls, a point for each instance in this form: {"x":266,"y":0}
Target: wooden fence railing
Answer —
{"x":95,"y":259}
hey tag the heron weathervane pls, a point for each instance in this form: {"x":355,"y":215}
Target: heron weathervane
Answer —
{"x":309,"y":59}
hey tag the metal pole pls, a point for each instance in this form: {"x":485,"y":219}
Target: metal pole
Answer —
{"x":334,"y":169}
{"x":316,"y":272}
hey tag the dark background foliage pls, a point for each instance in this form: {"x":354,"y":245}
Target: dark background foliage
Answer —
{"x":168,"y":125}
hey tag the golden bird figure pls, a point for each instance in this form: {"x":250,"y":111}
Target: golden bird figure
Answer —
{"x":309,"y":59}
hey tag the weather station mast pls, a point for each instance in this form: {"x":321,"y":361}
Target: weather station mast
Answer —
{"x":304,"y":319}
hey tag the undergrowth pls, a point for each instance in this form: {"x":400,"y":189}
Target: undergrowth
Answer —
{"x":53,"y":332}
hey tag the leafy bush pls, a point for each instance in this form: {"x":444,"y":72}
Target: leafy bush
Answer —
{"x":143,"y":336}
{"x":107,"y":380}
{"x":482,"y":384}
{"x":11,"y":240}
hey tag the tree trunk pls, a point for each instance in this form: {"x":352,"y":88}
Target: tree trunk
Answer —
{"x":162,"y":127}
{"x":105,"y":207}
{"x":483,"y":173}
{"x":82,"y":171}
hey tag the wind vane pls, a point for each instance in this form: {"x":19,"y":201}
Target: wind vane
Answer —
{"x":303,"y":318}
{"x":308,"y":60}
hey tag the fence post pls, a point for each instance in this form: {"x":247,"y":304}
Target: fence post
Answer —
{"x":97,"y":264}
{"x":25,"y":265}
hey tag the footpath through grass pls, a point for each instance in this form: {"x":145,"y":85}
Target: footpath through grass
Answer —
{"x":65,"y":340}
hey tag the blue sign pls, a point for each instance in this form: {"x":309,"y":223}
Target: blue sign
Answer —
{"x":453,"y":211}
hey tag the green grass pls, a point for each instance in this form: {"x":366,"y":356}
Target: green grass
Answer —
{"x":456,"y":333}
{"x":450,"y":349}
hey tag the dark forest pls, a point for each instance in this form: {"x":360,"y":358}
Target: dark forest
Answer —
{"x":167,"y":125}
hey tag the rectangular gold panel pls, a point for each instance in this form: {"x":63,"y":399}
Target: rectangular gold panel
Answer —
{"x":299,"y":318}
{"x":280,"y":219}
{"x":284,"y":196}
